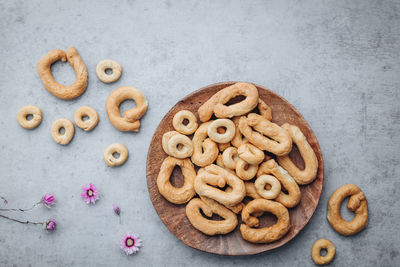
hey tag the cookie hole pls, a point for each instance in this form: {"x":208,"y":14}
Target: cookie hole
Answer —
{"x":63,"y":73}
{"x":295,"y":156}
{"x":108,"y":71}
{"x":176,"y":178}
{"x":267,"y":219}
{"x":179,"y":147}
{"x":246,"y":167}
{"x":214,"y":217}
{"x":85,"y":118}
{"x":235,"y":100}
{"x":221,"y":130}
{"x":283,"y":189}
{"x":323,"y":252}
{"x":347,"y":214}
{"x":268,"y":187}
{"x":29,"y":117}
{"x":185,"y":122}
{"x":116,"y":155}
{"x":61,"y":131}
{"x":126,"y":105}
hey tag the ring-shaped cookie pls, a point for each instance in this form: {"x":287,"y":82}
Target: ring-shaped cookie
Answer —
{"x":216,"y":104}
{"x":130,"y":120}
{"x":223,"y":146}
{"x":316,"y":251}
{"x":230,"y":157}
{"x":210,"y":207}
{"x":265,"y":234}
{"x":238,"y":139}
{"x":251,"y":154}
{"x":173,"y":194}
{"x":24,"y":112}
{"x":180,"y":146}
{"x":308,"y":174}
{"x":179,"y":118}
{"x":266,"y":135}
{"x":91,"y":122}
{"x":221,"y":137}
{"x":357,"y":203}
{"x":264,"y":109}
{"x":109,"y":152}
{"x":62,"y":139}
{"x":205,"y":150}
{"x":106,"y":64}
{"x":262,"y":181}
{"x":245,"y":171}
{"x":213,"y":176}
{"x":64,"y":92}
{"x":292,"y":198}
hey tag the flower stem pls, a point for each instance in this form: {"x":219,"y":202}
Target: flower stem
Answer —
{"x":18,"y":221}
{"x":23,"y":210}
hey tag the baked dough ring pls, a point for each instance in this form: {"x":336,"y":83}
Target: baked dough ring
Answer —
{"x":251,"y":154}
{"x":230,"y":157}
{"x":24,"y":112}
{"x":178,"y":119}
{"x":216,"y":103}
{"x":88,"y":124}
{"x":245,"y":171}
{"x":357,"y":203}
{"x":209,"y":177}
{"x":205,"y":150}
{"x":172,"y":141}
{"x":262,"y":181}
{"x":223,"y":146}
{"x":105,"y":64}
{"x":309,"y":173}
{"x":316,"y":251}
{"x":291,"y":199}
{"x":130,"y":121}
{"x":109,"y":158}
{"x":62,"y":139}
{"x":251,"y":190}
{"x":265,"y":234}
{"x":221,"y":137}
{"x":210,"y":207}
{"x":238,"y":139}
{"x":281,"y":143}
{"x":173,"y":194}
{"x":59,"y":90}
{"x":264,"y":109}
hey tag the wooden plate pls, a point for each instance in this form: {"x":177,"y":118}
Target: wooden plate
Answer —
{"x":173,"y":216}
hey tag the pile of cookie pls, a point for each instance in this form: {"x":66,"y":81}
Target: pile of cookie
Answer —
{"x":86,"y":118}
{"x":241,"y":153}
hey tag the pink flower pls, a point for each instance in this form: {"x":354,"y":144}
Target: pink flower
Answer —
{"x":116,"y":209}
{"x":48,"y":200}
{"x":90,"y":193}
{"x":51,"y":226}
{"x":130,"y":243}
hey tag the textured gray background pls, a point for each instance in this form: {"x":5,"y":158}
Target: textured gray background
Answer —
{"x":336,"y":61}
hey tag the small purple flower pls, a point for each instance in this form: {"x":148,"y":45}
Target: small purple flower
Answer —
{"x":51,"y":225}
{"x":48,"y":200}
{"x":90,"y":193}
{"x":116,"y":209}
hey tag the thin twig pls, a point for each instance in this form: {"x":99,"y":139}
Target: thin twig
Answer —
{"x":23,"y":210}
{"x":18,"y":221}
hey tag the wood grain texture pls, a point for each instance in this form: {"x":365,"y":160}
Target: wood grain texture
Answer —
{"x":173,"y":216}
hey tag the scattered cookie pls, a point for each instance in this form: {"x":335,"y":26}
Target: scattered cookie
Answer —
{"x":110,"y":157}
{"x":25,"y":112}
{"x":105,"y":65}
{"x":59,"y":90}
{"x":90,"y":122}
{"x":62,"y":125}
{"x":316,"y":251}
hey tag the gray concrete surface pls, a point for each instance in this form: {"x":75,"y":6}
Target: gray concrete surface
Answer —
{"x":337,"y":61}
